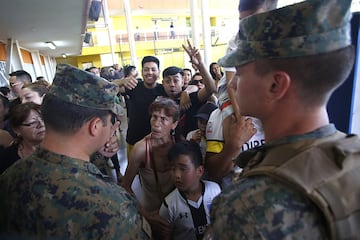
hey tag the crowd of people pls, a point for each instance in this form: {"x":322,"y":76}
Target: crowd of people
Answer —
{"x":213,"y":152}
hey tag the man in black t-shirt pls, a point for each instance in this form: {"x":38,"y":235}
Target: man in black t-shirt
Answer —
{"x":141,"y":94}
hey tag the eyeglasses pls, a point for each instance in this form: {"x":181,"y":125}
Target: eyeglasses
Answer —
{"x":33,"y":124}
{"x":196,"y":82}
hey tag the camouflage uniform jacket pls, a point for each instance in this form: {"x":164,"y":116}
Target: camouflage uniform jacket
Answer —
{"x":261,"y":207}
{"x":57,"y":197}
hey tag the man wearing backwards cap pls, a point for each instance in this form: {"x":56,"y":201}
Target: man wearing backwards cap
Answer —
{"x":57,"y":193}
{"x":288,"y":62}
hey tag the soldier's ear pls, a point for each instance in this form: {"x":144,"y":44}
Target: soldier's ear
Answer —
{"x":279,"y":84}
{"x":95,"y":126}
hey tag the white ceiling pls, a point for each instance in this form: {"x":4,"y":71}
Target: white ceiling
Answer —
{"x":34,"y":22}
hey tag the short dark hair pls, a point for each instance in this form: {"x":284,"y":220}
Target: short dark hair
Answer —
{"x":195,"y":75}
{"x":170,"y":107}
{"x":170,"y":71}
{"x":21,"y":75}
{"x":147,"y":59}
{"x":128,"y":69}
{"x":66,"y":117}
{"x":315,"y":77}
{"x":188,"y":148}
{"x":188,"y":69}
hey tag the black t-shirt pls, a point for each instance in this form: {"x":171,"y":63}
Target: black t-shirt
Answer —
{"x":187,"y":120}
{"x":8,"y":156}
{"x":138,"y":104}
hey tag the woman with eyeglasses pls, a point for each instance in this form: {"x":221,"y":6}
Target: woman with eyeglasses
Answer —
{"x":25,"y":120}
{"x":197,"y":80}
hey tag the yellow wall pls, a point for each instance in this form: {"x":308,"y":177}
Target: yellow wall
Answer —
{"x":144,"y":48}
{"x":95,"y":59}
{"x":148,"y":5}
{"x":69,"y":60}
{"x":168,"y":59}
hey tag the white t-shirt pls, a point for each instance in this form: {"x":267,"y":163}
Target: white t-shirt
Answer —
{"x":215,"y":139}
{"x":178,"y":212}
{"x":214,"y":133}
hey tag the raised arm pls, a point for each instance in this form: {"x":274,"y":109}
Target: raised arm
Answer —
{"x":126,"y":83}
{"x":196,"y":60}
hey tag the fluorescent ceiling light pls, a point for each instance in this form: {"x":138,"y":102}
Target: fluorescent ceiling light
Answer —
{"x":51,"y":45}
{"x":63,"y":55}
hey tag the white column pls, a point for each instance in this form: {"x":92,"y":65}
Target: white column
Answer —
{"x":206,"y":28}
{"x":130,"y":31}
{"x":50,"y":67}
{"x":14,"y":58}
{"x":9,"y":53}
{"x":110,"y":31}
{"x":194,"y":23}
{"x":18,"y":62}
{"x":35,"y":55}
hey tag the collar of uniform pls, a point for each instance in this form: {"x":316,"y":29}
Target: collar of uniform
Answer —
{"x":68,"y":162}
{"x":321,"y":132}
{"x":253,"y":156}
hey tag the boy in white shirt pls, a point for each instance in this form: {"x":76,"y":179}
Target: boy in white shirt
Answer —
{"x":188,"y":206}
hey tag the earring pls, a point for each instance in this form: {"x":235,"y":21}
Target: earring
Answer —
{"x":172,"y":132}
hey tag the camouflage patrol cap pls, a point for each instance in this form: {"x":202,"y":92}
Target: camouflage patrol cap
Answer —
{"x":306,"y":28}
{"x":84,"y":89}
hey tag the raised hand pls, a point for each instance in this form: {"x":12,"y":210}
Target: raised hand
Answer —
{"x":110,"y":148}
{"x":128,"y":82}
{"x":194,"y":54}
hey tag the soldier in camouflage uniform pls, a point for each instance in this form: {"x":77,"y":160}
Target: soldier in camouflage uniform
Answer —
{"x":288,"y":62}
{"x":57,"y":193}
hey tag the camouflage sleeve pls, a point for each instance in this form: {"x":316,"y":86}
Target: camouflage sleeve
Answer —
{"x":71,"y":200}
{"x":262,"y":208}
